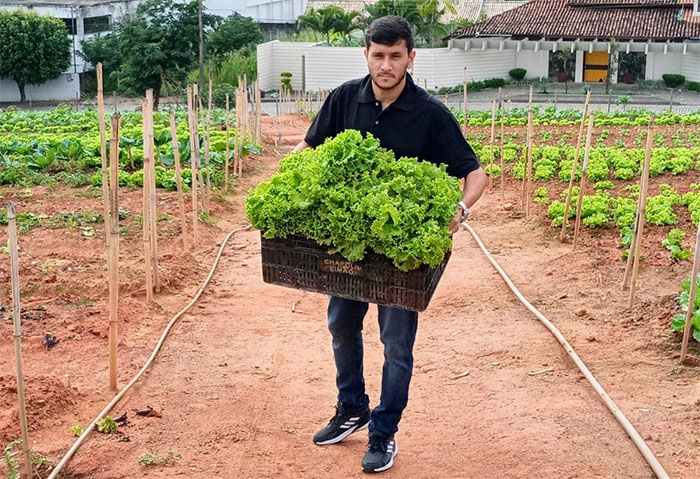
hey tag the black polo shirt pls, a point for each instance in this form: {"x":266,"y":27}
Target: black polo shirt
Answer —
{"x":415,"y":125}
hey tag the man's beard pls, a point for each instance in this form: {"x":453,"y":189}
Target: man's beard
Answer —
{"x":392,"y":86}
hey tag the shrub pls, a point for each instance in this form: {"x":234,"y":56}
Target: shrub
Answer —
{"x":673,"y":80}
{"x":693,"y":86}
{"x":517,"y":73}
{"x":220,"y":92}
{"x":494,"y":82}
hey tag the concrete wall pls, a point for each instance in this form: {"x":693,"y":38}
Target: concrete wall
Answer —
{"x":659,"y":63}
{"x":64,"y":88}
{"x":690,"y":67}
{"x":328,"y":67}
{"x":536,"y":63}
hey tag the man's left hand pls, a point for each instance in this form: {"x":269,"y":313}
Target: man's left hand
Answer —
{"x":457,"y":221}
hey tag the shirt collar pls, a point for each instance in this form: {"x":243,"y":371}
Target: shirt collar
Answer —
{"x":405,"y":101}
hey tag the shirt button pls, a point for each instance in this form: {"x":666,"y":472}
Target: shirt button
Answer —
{"x":377,"y":103}
{"x":376,"y":122}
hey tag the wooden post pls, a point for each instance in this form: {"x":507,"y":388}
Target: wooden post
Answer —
{"x":691,"y":299}
{"x":503,"y":153}
{"x":194,"y":146}
{"x":113,"y":259}
{"x":199,"y":116}
{"x":178,"y":181}
{"x":228,"y":140}
{"x":152,"y":193}
{"x":207,"y":146}
{"x":493,"y":139}
{"x":635,"y":236}
{"x":464,"y":89}
{"x":146,"y":220}
{"x":258,"y":112}
{"x":103,"y":151}
{"x":582,"y":184}
{"x":14,"y":260}
{"x":562,"y":235}
{"x":531,"y":141}
{"x":205,"y":190}
{"x":641,"y":218}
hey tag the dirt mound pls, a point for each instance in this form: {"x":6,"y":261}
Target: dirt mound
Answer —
{"x":46,"y":398}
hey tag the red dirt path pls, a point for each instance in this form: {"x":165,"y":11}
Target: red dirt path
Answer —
{"x":243,"y":381}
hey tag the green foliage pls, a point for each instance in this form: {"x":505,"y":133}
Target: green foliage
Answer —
{"x":286,"y":81}
{"x":77,"y":430}
{"x":104,"y":49}
{"x":683,"y":300}
{"x":11,"y":462}
{"x":33,"y":48}
{"x":604,"y":185}
{"x":327,"y":20}
{"x":353,"y":195}
{"x":517,"y":74}
{"x":542,"y":196}
{"x":228,"y":68}
{"x":674,"y":243}
{"x":233,"y":34}
{"x":659,"y":209}
{"x":673,"y":80}
{"x":495,"y":169}
{"x":693,"y":86}
{"x":106,"y":425}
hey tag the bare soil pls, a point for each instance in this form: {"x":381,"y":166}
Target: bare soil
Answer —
{"x":247,"y":375}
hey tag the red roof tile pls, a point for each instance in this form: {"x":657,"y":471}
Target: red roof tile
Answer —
{"x":570,"y":19}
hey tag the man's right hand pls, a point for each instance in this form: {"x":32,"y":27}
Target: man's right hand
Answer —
{"x":301,"y":146}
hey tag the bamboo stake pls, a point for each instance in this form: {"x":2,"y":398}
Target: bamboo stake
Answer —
{"x":635,"y":236}
{"x":236,"y":130}
{"x":152,"y":191}
{"x":228,"y":140}
{"x":242,"y":128}
{"x":528,"y":187}
{"x":205,"y":191}
{"x":464,"y":89}
{"x":503,"y":153}
{"x":146,"y":221}
{"x":207,"y":145}
{"x":197,"y":118}
{"x":113,"y":259}
{"x":582,"y":184}
{"x":14,"y":260}
{"x":493,"y":139}
{"x":641,"y":220}
{"x":103,"y":151}
{"x":194,"y":145}
{"x":258,"y":112}
{"x":691,"y":299}
{"x":562,"y":235}
{"x":178,"y":181}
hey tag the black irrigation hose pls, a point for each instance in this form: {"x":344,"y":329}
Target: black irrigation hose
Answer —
{"x":624,"y":422}
{"x":163,"y":336}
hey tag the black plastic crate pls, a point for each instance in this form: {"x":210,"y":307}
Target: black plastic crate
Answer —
{"x":302,"y":263}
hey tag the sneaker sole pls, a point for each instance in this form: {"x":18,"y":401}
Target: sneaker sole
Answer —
{"x":388,"y":466}
{"x":337,"y":439}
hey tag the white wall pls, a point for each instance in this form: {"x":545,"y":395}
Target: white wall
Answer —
{"x":328,"y":67}
{"x":264,"y":11}
{"x":690,"y":68}
{"x":64,"y":88}
{"x":659,"y":63}
{"x":578,"y":76}
{"x":536,"y":63}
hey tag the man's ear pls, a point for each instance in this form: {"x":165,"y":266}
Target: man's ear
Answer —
{"x":411,"y":58}
{"x":364,"y":50}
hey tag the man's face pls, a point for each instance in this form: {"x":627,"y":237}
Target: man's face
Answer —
{"x":388,"y":63}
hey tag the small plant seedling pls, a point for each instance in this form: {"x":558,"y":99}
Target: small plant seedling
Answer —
{"x":107,"y":425}
{"x":151,"y":459}
{"x":76,"y":430}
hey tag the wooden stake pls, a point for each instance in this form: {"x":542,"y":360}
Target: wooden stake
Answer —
{"x":103,"y":151}
{"x":635,"y":236}
{"x":178,"y":181}
{"x":493,"y":139}
{"x":531,"y":140}
{"x":207,"y":145}
{"x":464,"y":89}
{"x":641,"y":221}
{"x":113,"y":258}
{"x":258,"y":113}
{"x":204,"y":193}
{"x":228,"y":140}
{"x":582,"y":184}
{"x":14,"y":260}
{"x":503,"y":153}
{"x":146,"y":220}
{"x":691,"y":299}
{"x":194,"y":145}
{"x":562,"y":235}
{"x":152,"y":191}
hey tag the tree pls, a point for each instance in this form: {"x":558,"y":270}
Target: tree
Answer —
{"x":33,"y":48}
{"x":234,"y":33}
{"x":105,"y":50}
{"x":326,"y":20}
{"x":159,"y":42}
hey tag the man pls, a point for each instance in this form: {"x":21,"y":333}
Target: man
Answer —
{"x":409,"y":121}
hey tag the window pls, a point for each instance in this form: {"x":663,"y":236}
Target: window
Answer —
{"x":97,"y":24}
{"x":71,"y":25}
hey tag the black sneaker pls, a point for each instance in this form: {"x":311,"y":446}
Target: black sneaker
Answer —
{"x":341,"y":426}
{"x":380,"y":454}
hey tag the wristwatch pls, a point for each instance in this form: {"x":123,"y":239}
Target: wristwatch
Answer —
{"x":465,"y":211}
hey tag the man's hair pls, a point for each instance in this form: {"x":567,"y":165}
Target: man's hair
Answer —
{"x":389,"y":30}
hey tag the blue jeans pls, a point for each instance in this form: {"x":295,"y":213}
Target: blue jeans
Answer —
{"x":398,"y":333}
